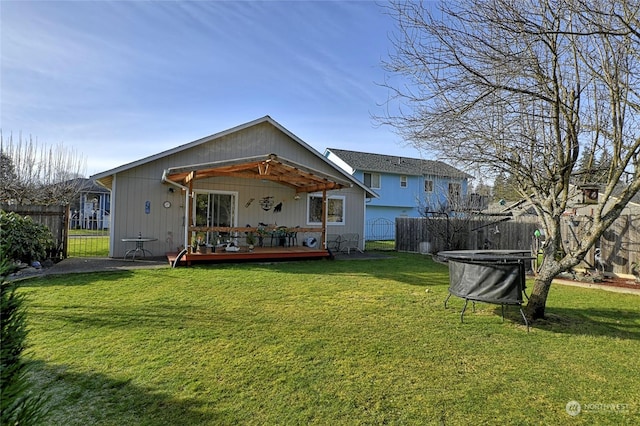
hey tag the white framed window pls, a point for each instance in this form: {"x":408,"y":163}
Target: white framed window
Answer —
{"x":403,"y":181}
{"x":428,"y":185}
{"x":372,"y":180}
{"x":335,"y":209}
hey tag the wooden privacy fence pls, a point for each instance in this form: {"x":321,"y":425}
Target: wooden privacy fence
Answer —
{"x":439,"y":233}
{"x":53,"y":217}
{"x":620,"y":244}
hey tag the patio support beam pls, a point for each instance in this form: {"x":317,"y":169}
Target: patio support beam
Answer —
{"x":263,"y":168}
{"x":322,"y":187}
{"x":189,"y":210}
{"x":187,"y":195}
{"x":190,"y":177}
{"x":185,"y":190}
{"x":324,"y":219}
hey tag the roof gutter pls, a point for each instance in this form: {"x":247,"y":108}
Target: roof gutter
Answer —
{"x":165,"y":179}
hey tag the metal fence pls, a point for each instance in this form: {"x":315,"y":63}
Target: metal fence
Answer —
{"x":380,"y":234}
{"x":88,"y":235}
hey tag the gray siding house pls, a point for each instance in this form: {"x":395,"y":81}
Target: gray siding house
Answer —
{"x":257,"y":173}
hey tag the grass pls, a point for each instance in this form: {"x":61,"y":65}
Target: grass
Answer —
{"x":88,"y":246}
{"x":380,"y":245}
{"x":89,"y":232}
{"x":321,"y":342}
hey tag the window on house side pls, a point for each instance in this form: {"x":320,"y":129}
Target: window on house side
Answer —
{"x":428,"y":186}
{"x":372,"y":180}
{"x":335,"y":210}
{"x":403,"y":181}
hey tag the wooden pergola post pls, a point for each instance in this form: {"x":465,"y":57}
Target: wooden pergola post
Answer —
{"x":189,"y":212}
{"x":324,"y":218}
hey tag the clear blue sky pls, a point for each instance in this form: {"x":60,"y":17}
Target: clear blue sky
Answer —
{"x":119,"y":81}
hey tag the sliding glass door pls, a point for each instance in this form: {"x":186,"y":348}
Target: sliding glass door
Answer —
{"x":215,"y":209}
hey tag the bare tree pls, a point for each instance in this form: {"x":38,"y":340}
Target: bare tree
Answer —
{"x":38,"y":174}
{"x":521,"y":87}
{"x":446,"y":217}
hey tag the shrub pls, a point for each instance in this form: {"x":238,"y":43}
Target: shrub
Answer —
{"x":18,"y":405}
{"x":23,"y":239}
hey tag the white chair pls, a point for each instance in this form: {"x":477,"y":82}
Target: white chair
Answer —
{"x":333,"y":242}
{"x":349,"y":242}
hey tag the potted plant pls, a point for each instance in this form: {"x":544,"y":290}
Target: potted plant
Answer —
{"x":202,"y":242}
{"x":262,"y":232}
{"x":251,"y":240}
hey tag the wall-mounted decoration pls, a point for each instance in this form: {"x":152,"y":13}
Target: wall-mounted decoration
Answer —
{"x":248,"y":203}
{"x":266,"y":203}
{"x":278,"y":208}
{"x":147,"y":207}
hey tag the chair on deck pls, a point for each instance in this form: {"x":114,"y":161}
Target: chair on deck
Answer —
{"x":293,"y":237}
{"x":280,"y":236}
{"x":349,"y":242}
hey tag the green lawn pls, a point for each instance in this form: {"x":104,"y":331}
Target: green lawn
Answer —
{"x":322,"y":342}
{"x":380,"y":245}
{"x":88,"y":246}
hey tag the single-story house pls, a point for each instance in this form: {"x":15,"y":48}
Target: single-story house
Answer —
{"x":253,"y":177}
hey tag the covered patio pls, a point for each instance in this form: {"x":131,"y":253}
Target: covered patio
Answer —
{"x":264,"y":168}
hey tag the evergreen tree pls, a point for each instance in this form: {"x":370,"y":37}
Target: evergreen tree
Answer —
{"x":505,"y":188}
{"x":18,"y":404}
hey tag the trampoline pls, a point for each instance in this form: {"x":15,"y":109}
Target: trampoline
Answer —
{"x":490,"y":276}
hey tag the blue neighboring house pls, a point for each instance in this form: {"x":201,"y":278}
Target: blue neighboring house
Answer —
{"x":407,"y":187}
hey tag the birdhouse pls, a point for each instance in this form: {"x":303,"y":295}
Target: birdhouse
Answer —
{"x":589,"y":193}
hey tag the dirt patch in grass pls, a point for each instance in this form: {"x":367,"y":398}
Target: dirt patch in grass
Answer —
{"x":607,"y":282}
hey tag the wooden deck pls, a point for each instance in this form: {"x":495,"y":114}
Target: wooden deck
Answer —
{"x":259,"y":254}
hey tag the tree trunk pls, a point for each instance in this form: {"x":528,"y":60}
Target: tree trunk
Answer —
{"x":538,"y":299}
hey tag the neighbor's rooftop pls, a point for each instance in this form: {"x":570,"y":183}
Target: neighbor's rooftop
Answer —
{"x":398,"y":165}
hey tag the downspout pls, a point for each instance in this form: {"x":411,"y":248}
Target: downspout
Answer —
{"x":186,"y":205}
{"x":324,"y":218}
{"x":364,"y":222}
{"x":112,"y":228}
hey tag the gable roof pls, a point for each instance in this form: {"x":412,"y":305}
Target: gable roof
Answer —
{"x":398,"y":165}
{"x":89,"y":185}
{"x":106,"y":177}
